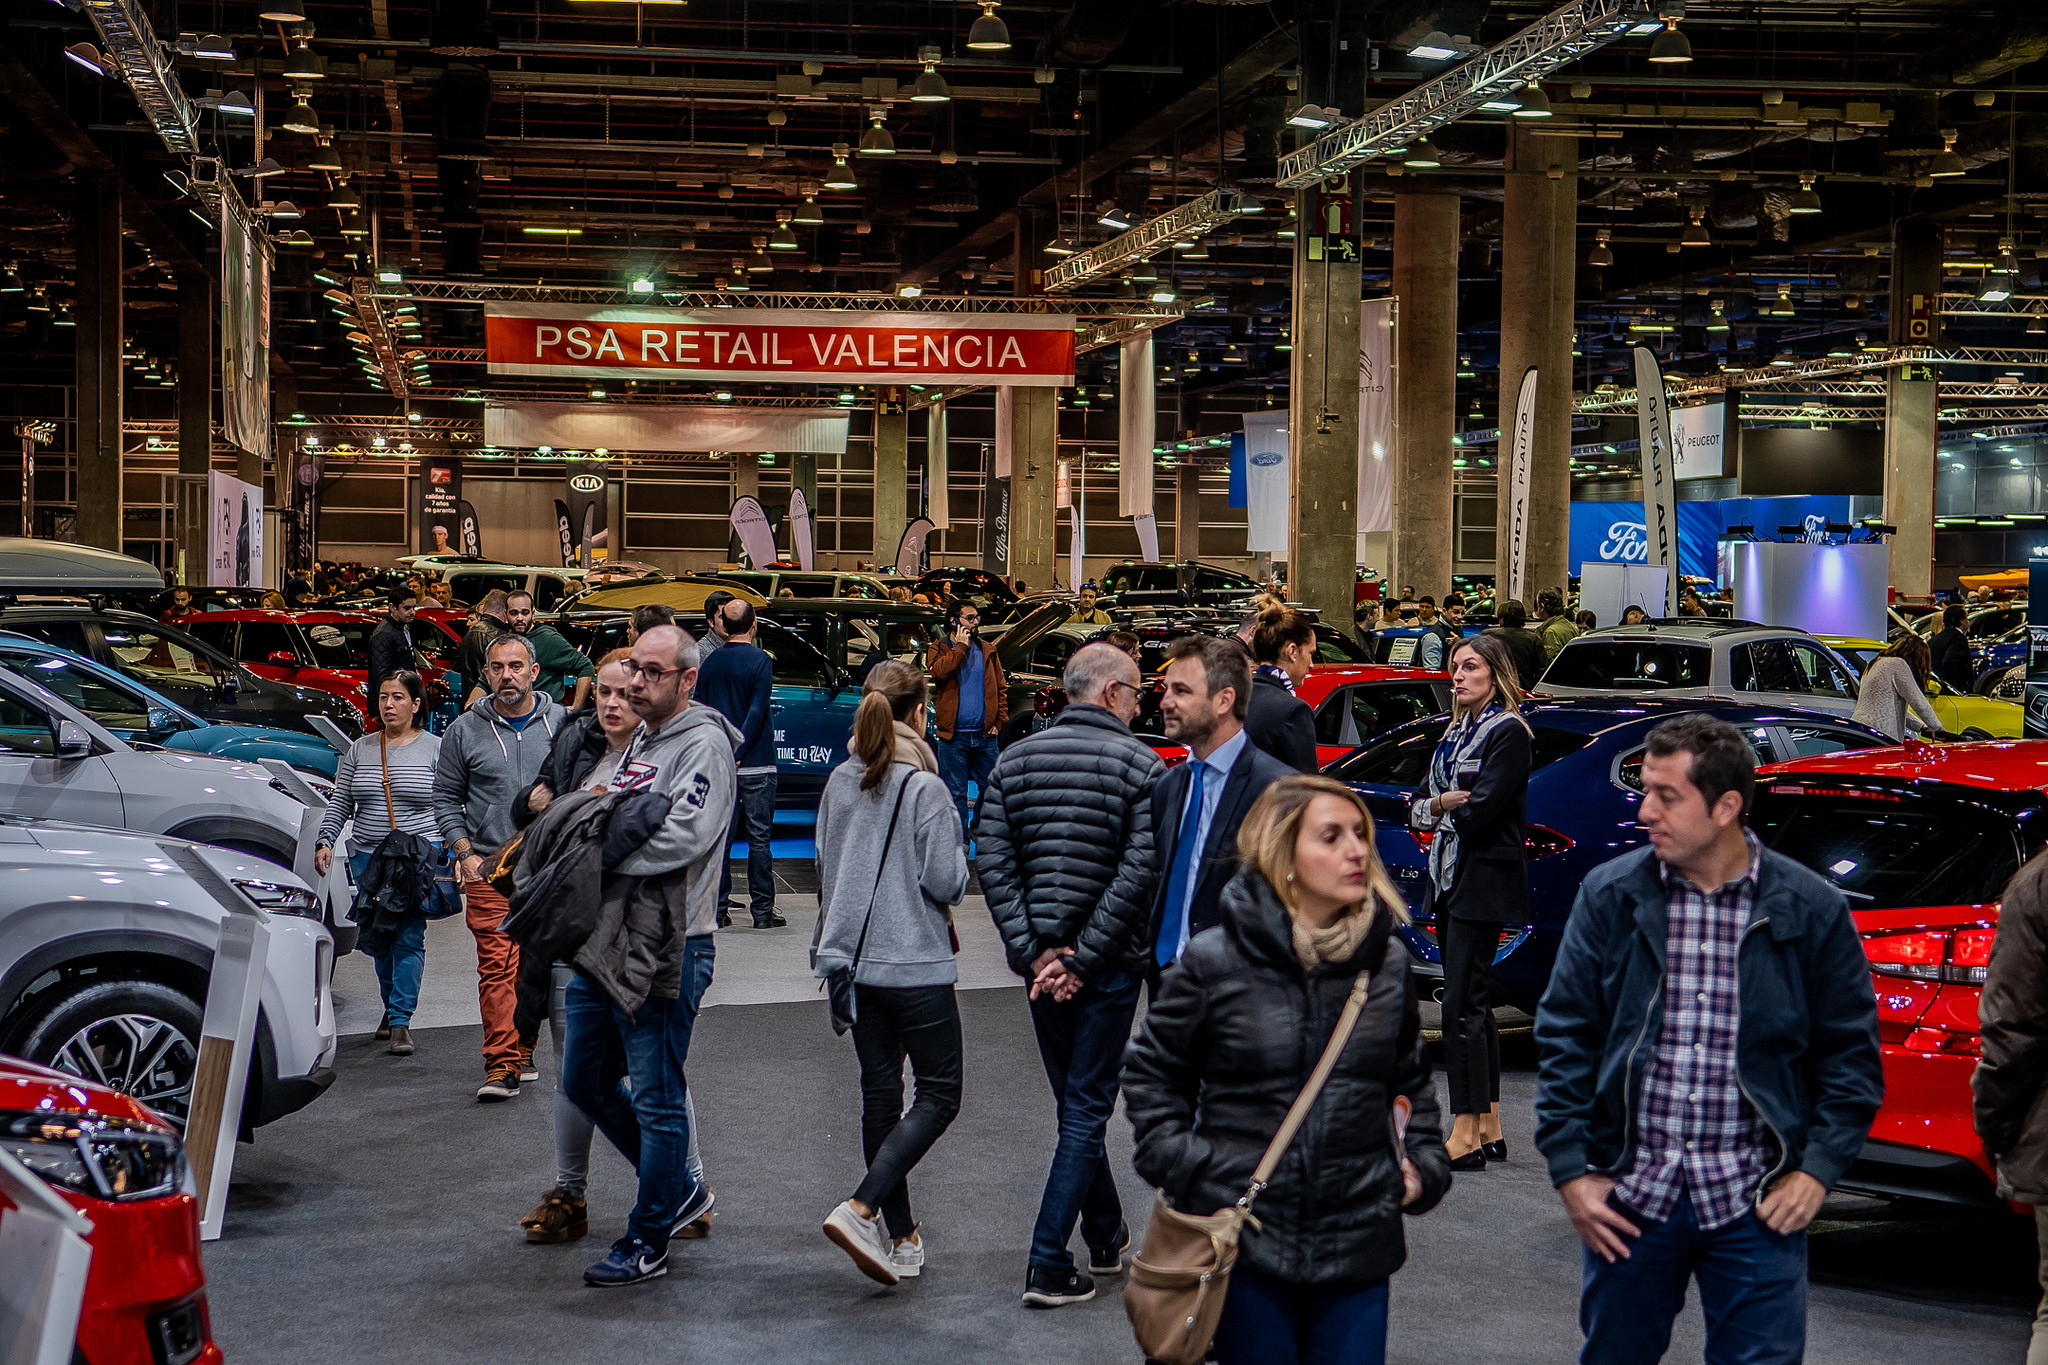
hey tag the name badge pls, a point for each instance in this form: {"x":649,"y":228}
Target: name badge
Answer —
{"x":1468,"y":765}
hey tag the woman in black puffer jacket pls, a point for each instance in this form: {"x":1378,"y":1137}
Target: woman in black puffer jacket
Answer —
{"x":1230,"y":1040}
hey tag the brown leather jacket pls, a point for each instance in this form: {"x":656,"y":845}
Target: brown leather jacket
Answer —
{"x":943,"y":663}
{"x":2012,"y":1079}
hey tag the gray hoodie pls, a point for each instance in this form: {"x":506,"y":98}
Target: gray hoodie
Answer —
{"x":910,"y":883}
{"x":484,"y":764}
{"x":690,"y":761}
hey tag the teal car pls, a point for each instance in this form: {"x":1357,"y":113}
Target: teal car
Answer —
{"x":141,"y":716}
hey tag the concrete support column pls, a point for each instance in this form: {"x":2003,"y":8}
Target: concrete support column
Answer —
{"x":746,"y":483}
{"x":1322,"y":425}
{"x":1911,"y":426}
{"x":892,"y":473}
{"x":1426,"y":395}
{"x":195,"y":411}
{"x":1187,"y":512}
{"x":1539,"y":236}
{"x":96,"y":238}
{"x":1034,"y":478}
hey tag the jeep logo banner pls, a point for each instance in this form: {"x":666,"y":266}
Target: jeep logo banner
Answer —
{"x":841,"y":347}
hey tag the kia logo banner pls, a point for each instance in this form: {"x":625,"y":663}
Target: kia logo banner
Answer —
{"x":759,"y":343}
{"x":585,"y":483}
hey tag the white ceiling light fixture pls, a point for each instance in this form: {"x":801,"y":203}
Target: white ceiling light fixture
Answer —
{"x":1535,"y":104}
{"x":301,"y":118}
{"x":1807,"y":200}
{"x":930,"y":86}
{"x":1435,"y":46}
{"x":1314,"y":116}
{"x":840,"y":177}
{"x":988,"y":33}
{"x":1946,"y":164}
{"x":214,"y":48}
{"x":876,"y":141}
{"x":1670,"y":47}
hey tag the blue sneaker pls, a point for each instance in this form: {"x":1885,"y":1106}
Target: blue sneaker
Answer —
{"x":630,"y":1262}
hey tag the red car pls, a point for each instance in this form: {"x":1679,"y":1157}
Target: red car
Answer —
{"x":328,"y":650}
{"x":1922,"y":840}
{"x":121,"y":1166}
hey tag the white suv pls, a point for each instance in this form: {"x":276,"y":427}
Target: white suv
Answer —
{"x":106,"y":940}
{"x":1768,"y":665}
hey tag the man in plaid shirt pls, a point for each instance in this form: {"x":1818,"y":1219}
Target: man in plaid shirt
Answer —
{"x":1710,"y":1066}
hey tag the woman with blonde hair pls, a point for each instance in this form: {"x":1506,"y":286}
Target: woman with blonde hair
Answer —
{"x":891,"y":863}
{"x":1229,"y":1041}
{"x":1475,"y":802}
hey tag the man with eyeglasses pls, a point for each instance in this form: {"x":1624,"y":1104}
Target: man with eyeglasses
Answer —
{"x":624,"y":1050}
{"x":973,"y":702}
{"x":1066,"y":863}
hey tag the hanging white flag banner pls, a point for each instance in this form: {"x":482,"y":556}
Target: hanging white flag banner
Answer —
{"x":1660,"y":473}
{"x":1076,"y":547}
{"x":1265,"y":482}
{"x":1006,"y":402}
{"x":757,"y":537}
{"x":910,"y":550}
{"x":1137,"y":427}
{"x":1063,"y":485}
{"x":800,"y":528}
{"x":1521,"y":457}
{"x":935,"y":471}
{"x":1376,"y":381}
{"x":1148,"y":537}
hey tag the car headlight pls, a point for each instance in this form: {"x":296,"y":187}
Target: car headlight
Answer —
{"x":281,"y":900}
{"x":103,"y":1158}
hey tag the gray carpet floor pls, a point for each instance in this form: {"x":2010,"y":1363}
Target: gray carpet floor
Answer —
{"x":381,"y":1224}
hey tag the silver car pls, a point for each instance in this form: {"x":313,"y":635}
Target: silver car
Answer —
{"x":1766,"y":665}
{"x":106,"y":940}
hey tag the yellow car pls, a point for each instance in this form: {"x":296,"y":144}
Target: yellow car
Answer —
{"x":1959,"y":713}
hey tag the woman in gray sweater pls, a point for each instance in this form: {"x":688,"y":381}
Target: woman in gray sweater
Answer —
{"x":891,"y":864}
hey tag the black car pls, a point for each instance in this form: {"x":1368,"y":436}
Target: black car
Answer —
{"x":1189,"y":584}
{"x":978,"y":586}
{"x":188,"y":671}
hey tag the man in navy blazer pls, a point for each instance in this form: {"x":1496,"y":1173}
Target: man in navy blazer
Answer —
{"x":1198,"y":806}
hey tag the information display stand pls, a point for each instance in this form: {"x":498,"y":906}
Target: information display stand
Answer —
{"x":44,"y":1258}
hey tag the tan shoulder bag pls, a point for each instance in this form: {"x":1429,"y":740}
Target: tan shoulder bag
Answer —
{"x":1181,"y":1275}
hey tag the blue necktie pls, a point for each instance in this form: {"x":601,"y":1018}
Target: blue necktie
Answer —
{"x":1187,"y":856}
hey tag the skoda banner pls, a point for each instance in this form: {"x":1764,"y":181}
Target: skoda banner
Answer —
{"x":586,"y":506}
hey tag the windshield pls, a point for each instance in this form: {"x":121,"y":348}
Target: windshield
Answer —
{"x":152,"y":657}
{"x":343,"y":644}
{"x":1630,"y":665}
{"x":1140,"y":578}
{"x":119,"y":708}
{"x":1888,"y":849}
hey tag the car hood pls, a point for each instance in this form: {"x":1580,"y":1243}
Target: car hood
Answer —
{"x":97,"y":846}
{"x":24,"y":1086}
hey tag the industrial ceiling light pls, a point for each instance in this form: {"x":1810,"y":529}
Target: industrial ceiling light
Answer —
{"x":301,"y":119}
{"x":1422,"y":156}
{"x":304,"y":65}
{"x":909,"y":289}
{"x":782,"y":239}
{"x":284,"y":210}
{"x":1696,"y":234}
{"x":1997,"y":288}
{"x":10,"y":280}
{"x":268,"y":166}
{"x":1600,"y":255}
{"x":642,"y":285}
{"x":1718,"y":322}
{"x":235,"y":104}
{"x":214,"y":48}
{"x":1784,"y":360}
{"x":876,"y":140}
{"x":1535,"y":104}
{"x":63,"y":318}
{"x":1502,"y":101}
{"x":1806,"y":201}
{"x":340,"y":197}
{"x":1435,"y":46}
{"x":323,"y":159}
{"x":810,"y":215}
{"x":1945,"y":164}
{"x":299,"y":237}
{"x":1163,"y":293}
{"x":1059,"y":246}
{"x":840,"y":177}
{"x":282,"y":11}
{"x":340,"y":297}
{"x":2036,"y":325}
{"x":1313,"y":116}
{"x":89,"y":57}
{"x":1114,"y":217}
{"x":988,"y":33}
{"x":390,"y":274}
{"x":776,"y":118}
{"x":1671,"y":46}
{"x":930,"y":86}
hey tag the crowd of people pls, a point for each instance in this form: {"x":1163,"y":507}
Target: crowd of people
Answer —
{"x":1691,"y":1130}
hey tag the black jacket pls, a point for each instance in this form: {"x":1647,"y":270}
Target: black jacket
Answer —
{"x":1281,"y":723}
{"x":1491,"y":881}
{"x":2013,"y":1014}
{"x":390,"y":650}
{"x":1254,"y":771}
{"x":1064,"y":843}
{"x":1227,"y":1044}
{"x":578,"y":745}
{"x":1525,"y":647}
{"x":1951,"y":651}
{"x":1807,"y":1056}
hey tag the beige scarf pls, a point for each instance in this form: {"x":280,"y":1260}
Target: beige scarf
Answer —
{"x":1338,"y":943}
{"x":911,"y":749}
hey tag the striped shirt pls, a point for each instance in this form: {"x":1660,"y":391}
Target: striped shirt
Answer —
{"x":359,"y":791}
{"x":1696,"y":1130}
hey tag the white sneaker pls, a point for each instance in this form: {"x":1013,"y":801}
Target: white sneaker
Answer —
{"x":908,"y":1257}
{"x":862,"y":1239}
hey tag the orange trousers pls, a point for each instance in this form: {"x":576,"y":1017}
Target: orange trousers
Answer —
{"x":497,"y":972}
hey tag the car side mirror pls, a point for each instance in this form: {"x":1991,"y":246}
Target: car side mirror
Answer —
{"x":72,"y":740}
{"x":230,"y":685}
{"x":163,"y":721}
{"x":283,"y":658}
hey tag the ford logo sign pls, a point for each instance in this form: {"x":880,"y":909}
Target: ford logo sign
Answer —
{"x":1265,"y":459}
{"x":585,"y":483}
{"x":1626,"y":542}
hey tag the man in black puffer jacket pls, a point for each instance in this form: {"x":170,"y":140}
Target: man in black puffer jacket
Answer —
{"x":1065,"y":844}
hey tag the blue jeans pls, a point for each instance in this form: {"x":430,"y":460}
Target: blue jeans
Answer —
{"x":1752,"y":1293}
{"x":969,"y":756}
{"x":626,"y":1073}
{"x":1267,"y":1321}
{"x":398,"y":971}
{"x":1082,"y":1044}
{"x":754,"y":814}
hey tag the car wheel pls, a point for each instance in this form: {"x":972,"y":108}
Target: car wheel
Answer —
{"x":1978,"y":732}
{"x":138,"y":1037}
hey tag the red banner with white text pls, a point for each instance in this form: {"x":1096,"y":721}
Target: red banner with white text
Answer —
{"x":741,"y":344}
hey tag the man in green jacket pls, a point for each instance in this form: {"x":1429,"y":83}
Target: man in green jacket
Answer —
{"x":561,"y":663}
{"x":1557,"y":627}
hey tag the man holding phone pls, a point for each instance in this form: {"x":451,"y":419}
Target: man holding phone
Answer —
{"x":973,"y":703}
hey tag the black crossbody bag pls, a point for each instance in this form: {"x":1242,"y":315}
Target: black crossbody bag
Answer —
{"x":839,"y":981}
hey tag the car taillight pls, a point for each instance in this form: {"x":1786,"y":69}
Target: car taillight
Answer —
{"x":1959,"y":956}
{"x":1946,"y":1042}
{"x":1423,"y":837}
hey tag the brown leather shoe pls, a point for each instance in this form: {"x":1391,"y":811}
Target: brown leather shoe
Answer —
{"x":560,"y":1218}
{"x":401,"y":1041}
{"x":383,"y":1028}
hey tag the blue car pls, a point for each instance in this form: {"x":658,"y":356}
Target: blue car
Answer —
{"x":141,"y":716}
{"x":1584,"y":787}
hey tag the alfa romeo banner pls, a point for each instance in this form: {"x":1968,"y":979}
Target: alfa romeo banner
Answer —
{"x":759,"y":343}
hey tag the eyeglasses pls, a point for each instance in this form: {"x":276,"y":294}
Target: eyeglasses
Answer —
{"x":649,"y":671}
